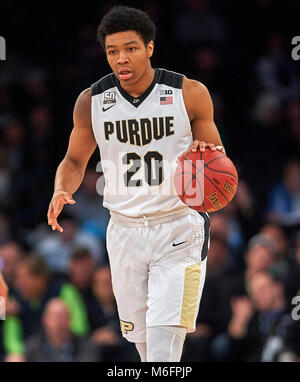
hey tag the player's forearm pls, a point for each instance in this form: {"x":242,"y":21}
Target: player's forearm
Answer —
{"x":69,"y":176}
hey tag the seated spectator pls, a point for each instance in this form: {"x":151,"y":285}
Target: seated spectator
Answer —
{"x":222,"y":282}
{"x":284,"y":200}
{"x":57,"y":247}
{"x":275,"y":233}
{"x":112,"y":347}
{"x":260,"y":256}
{"x":10,"y":255}
{"x":82,"y":267}
{"x":259,"y":323}
{"x":56,"y":342}
{"x":34,"y":288}
{"x":292,"y":276}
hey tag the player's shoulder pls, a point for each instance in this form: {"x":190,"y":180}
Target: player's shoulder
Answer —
{"x":193,"y":86}
{"x":84,"y":98}
{"x":169,"y":78}
{"x":82,"y":109}
{"x":105,"y":83}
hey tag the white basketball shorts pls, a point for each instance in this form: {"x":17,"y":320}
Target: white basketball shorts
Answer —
{"x":158,"y":268}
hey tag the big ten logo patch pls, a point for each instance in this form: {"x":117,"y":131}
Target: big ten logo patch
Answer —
{"x":126,"y":326}
{"x":109,"y":98}
{"x":165,"y":92}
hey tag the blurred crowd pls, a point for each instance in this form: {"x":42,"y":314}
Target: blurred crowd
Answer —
{"x":61,"y":305}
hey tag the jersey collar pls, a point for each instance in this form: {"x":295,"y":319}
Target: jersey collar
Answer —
{"x":136,"y":101}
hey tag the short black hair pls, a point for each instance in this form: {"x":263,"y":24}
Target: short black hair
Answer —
{"x":121,"y":19}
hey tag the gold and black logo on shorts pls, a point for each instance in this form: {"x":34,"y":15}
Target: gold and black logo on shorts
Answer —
{"x":126,"y":326}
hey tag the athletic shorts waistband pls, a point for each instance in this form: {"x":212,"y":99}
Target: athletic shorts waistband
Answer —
{"x":149,"y":220}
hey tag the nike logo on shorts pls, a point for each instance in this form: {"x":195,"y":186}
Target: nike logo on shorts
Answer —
{"x":175,"y":244}
{"x":105,"y":109}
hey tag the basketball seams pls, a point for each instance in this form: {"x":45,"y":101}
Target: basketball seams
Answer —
{"x":189,"y":158}
{"x":222,"y":172}
{"x":206,"y":177}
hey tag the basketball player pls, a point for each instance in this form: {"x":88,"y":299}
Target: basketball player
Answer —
{"x":143,"y":118}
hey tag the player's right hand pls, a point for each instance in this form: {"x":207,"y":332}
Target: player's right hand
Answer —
{"x":59,"y":199}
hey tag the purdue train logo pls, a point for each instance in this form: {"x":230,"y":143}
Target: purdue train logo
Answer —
{"x":126,"y":326}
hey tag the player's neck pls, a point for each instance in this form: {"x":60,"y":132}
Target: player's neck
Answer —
{"x":137,"y":89}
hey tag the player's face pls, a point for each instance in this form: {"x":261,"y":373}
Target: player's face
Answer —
{"x":128,"y":56}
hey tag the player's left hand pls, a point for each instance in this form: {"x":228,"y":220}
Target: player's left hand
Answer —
{"x":202,"y":145}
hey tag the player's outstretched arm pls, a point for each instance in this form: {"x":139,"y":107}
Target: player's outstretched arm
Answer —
{"x":199,"y":107}
{"x":70,"y":171}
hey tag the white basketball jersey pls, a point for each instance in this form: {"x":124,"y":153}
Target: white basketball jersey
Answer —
{"x":139,"y":141}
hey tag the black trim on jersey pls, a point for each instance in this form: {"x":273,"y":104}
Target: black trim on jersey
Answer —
{"x":161,"y":76}
{"x":169,"y":78}
{"x":206,"y":235}
{"x":103,"y":84}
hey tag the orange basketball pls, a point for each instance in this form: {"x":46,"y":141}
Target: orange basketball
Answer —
{"x":205,"y":181}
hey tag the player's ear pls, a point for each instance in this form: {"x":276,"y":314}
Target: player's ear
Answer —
{"x":150,"y":48}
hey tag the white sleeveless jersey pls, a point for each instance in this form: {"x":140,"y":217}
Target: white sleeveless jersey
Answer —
{"x":139,"y":141}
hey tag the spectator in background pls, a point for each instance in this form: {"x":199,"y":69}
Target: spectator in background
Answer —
{"x":57,"y":248}
{"x":14,"y":140}
{"x":55,"y":342}
{"x":222,"y":282}
{"x":5,"y":174}
{"x":34,"y":288}
{"x":259,"y":325}
{"x":284,"y":199}
{"x":260,"y":256}
{"x":82,"y":268}
{"x":293,"y":121}
{"x":276,"y":234}
{"x":274,"y":70}
{"x":223,"y":287}
{"x":89,"y":210}
{"x":197,"y":23}
{"x":11,"y":253}
{"x":111,"y":346}
{"x":5,"y":229}
{"x":292,"y":276}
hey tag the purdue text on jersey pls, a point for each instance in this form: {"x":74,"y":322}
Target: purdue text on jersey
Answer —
{"x":139,"y":132}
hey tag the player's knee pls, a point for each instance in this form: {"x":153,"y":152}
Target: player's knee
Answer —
{"x":165,"y":343}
